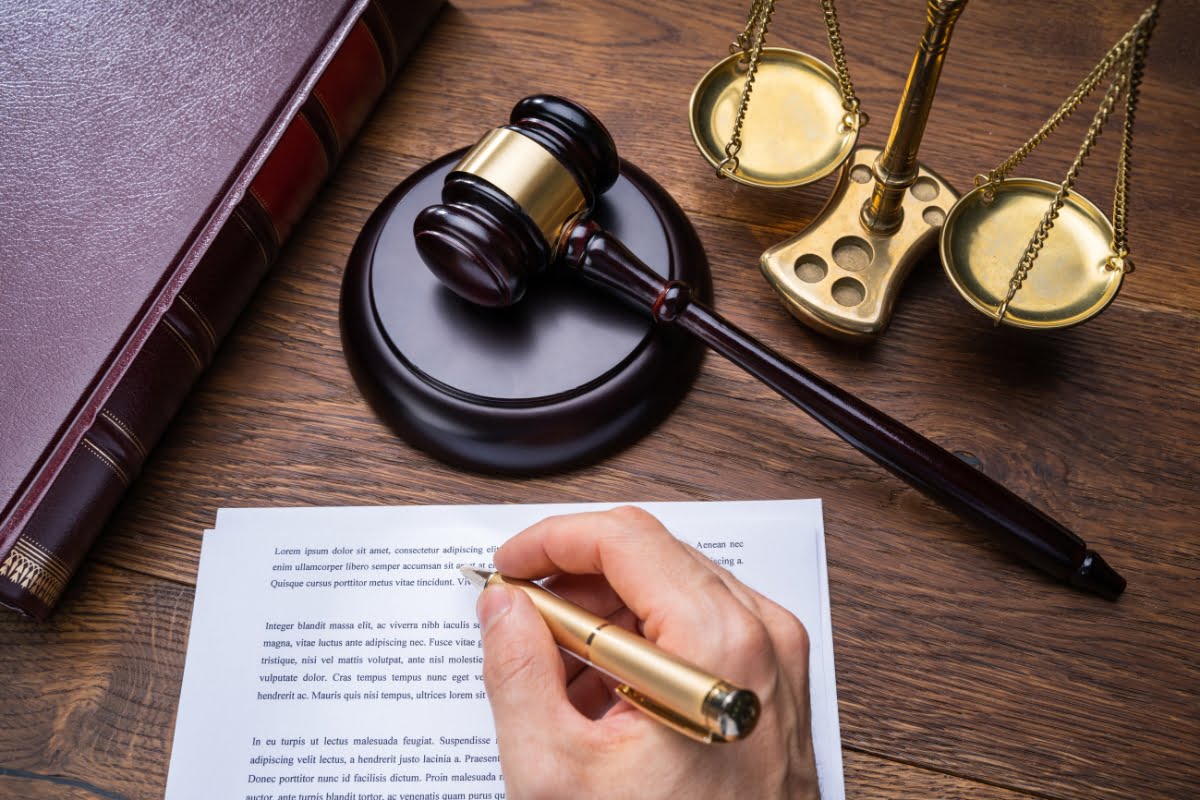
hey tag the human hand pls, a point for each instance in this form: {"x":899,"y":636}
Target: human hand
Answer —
{"x":560,"y":732}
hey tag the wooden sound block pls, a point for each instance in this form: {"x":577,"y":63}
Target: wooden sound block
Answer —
{"x":561,"y":379}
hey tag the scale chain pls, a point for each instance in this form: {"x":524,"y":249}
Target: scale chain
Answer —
{"x":1129,"y":54}
{"x":1137,"y":66}
{"x":1081,"y":93}
{"x":1038,"y":240}
{"x":750,"y":43}
{"x":849,"y":99}
{"x":760,"y":19}
{"x":742,"y":42}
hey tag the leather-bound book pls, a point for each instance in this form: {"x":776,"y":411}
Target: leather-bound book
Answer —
{"x":154,"y":156}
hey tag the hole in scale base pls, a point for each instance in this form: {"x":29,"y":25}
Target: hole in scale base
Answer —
{"x":860,"y":173}
{"x":924,"y":189}
{"x":934,"y":216}
{"x":848,"y":292}
{"x":811,"y":268}
{"x":852,"y":253}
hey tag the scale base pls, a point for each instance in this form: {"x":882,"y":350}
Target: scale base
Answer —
{"x":838,"y":277}
{"x":561,"y":379}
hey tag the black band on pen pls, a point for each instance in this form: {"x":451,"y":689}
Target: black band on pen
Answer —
{"x":592,"y":635}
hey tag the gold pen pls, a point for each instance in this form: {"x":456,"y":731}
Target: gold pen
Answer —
{"x":667,"y":688}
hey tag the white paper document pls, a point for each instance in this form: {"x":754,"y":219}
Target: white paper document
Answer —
{"x":334,"y":652}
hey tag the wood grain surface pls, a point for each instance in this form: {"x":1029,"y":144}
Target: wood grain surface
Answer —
{"x":961,"y":672}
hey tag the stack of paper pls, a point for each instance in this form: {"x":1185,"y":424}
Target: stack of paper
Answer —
{"x":334,"y":652}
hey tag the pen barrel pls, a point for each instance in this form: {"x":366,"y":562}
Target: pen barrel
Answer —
{"x":667,"y":681}
{"x":571,"y":626}
{"x":672,"y":682}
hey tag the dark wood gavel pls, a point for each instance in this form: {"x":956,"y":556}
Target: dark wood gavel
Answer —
{"x":520,"y":201}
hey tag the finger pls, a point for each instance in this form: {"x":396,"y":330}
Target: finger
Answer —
{"x":522,"y":672}
{"x":789,"y":637}
{"x":743,"y":593}
{"x":634,"y":552}
{"x":790,"y":643}
{"x":648,"y":568}
{"x":590,"y":592}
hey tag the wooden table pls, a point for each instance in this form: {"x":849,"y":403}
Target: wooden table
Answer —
{"x":961,"y":673}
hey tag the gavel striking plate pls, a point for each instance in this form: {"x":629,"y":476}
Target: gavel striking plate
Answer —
{"x":560,"y":379}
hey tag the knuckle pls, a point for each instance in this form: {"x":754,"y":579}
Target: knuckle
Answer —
{"x":708,"y":583}
{"x":632,"y":516}
{"x":789,"y":633}
{"x":800,"y":643}
{"x":749,"y":638}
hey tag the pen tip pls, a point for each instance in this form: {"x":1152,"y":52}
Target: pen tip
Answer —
{"x":477,"y":577}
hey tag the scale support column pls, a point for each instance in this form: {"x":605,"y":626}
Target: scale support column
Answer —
{"x":897,"y":166}
{"x":841,"y":275}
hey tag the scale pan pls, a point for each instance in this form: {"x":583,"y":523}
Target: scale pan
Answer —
{"x":983,"y":242}
{"x":793,"y":132}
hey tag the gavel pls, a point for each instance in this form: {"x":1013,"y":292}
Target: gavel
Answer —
{"x":519,"y":202}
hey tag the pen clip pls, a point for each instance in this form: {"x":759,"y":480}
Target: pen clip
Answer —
{"x":666,"y":716}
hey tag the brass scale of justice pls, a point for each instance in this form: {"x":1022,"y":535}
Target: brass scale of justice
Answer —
{"x":776,"y":118}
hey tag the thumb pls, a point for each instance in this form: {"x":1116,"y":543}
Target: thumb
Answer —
{"x":522,"y":671}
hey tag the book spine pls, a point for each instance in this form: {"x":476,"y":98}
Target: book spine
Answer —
{"x":56,"y":536}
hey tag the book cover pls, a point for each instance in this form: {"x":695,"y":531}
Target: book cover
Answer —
{"x":157,"y":157}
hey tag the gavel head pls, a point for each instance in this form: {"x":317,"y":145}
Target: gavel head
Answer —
{"x":508,"y":203}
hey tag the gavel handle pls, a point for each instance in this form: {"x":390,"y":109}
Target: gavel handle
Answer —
{"x":1014,"y":524}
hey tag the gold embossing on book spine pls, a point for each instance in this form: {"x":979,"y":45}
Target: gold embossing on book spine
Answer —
{"x":35,"y":570}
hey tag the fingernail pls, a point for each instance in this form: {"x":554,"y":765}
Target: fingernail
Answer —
{"x":493,"y":603}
